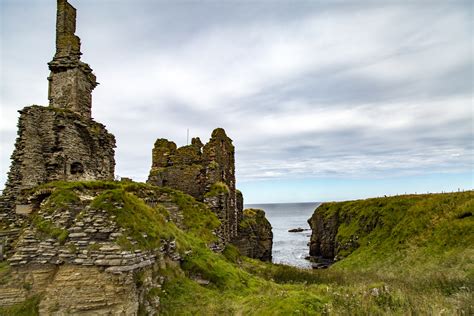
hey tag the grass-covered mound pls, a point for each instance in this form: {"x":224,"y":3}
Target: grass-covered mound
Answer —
{"x":208,"y":283}
{"x":139,"y":208}
{"x":411,"y":234}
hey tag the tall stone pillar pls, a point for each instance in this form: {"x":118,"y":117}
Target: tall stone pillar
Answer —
{"x":71,"y":81}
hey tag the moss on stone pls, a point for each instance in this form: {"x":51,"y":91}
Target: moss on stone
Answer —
{"x":29,"y":307}
{"x":47,"y":229}
{"x":198,"y":218}
{"x":218,"y":188}
{"x":142,"y":223}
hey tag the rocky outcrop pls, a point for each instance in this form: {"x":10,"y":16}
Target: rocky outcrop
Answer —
{"x":255,"y":235}
{"x":323,"y":236}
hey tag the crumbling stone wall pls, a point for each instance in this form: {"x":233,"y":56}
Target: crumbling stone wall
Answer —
{"x":55,"y":145}
{"x":206,"y":172}
{"x":180,"y":168}
{"x":71,"y":81}
{"x":59,"y":142}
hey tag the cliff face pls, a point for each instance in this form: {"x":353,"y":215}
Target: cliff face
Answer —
{"x":323,"y":236}
{"x":255,"y":235}
{"x":96,"y":247}
{"x":369,"y":231}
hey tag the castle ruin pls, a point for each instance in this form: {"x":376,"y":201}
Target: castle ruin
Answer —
{"x":62,"y":141}
{"x":206,"y":172}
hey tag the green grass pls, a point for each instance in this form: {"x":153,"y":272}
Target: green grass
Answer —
{"x":145,"y":225}
{"x":47,"y":229}
{"x":197,"y":217}
{"x":26,"y":308}
{"x":414,"y":255}
{"x":217,"y":189}
{"x":422,"y":232}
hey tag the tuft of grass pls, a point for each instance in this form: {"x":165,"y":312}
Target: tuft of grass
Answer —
{"x":232,"y":253}
{"x":197,"y":217}
{"x":47,"y":229}
{"x":27,"y":308}
{"x":5,"y":273}
{"x":218,"y":188}
{"x":143,"y":224}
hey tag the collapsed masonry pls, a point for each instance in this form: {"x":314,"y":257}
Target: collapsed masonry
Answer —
{"x":62,"y":141}
{"x":73,"y":251}
{"x":207,"y":172}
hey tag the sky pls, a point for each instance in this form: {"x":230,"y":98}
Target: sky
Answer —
{"x":324,"y":100}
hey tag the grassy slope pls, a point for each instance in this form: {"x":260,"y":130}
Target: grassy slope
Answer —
{"x":413,"y":235}
{"x":371,"y":280}
{"x":417,"y":259}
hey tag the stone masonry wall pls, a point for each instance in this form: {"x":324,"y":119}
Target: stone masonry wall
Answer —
{"x":201,"y":171}
{"x":55,"y":145}
{"x":71,"y":81}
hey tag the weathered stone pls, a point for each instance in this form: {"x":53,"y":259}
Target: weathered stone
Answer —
{"x":323,"y":236}
{"x":59,"y":142}
{"x":255,"y":235}
{"x":71,"y":81}
{"x":206,"y":172}
{"x":77,"y":235}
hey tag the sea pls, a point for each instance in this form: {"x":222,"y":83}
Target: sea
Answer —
{"x":289,"y":248}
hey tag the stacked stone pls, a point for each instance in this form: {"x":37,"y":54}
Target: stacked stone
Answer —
{"x":55,"y":145}
{"x":195,"y":169}
{"x":91,"y":241}
{"x":71,"y":81}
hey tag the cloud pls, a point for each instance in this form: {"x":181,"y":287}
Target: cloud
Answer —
{"x":356,"y":89}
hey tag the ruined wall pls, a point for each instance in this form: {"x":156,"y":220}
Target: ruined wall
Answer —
{"x":80,"y":260}
{"x":60,"y":142}
{"x":71,"y":81}
{"x":55,"y":145}
{"x":206,"y":172}
{"x":219,"y":160}
{"x":180,"y":168}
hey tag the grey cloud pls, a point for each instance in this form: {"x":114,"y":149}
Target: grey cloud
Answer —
{"x":402,"y":69}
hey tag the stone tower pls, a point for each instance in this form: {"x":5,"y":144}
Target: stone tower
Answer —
{"x":71,"y":81}
{"x":62,"y":141}
{"x":207,"y":172}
